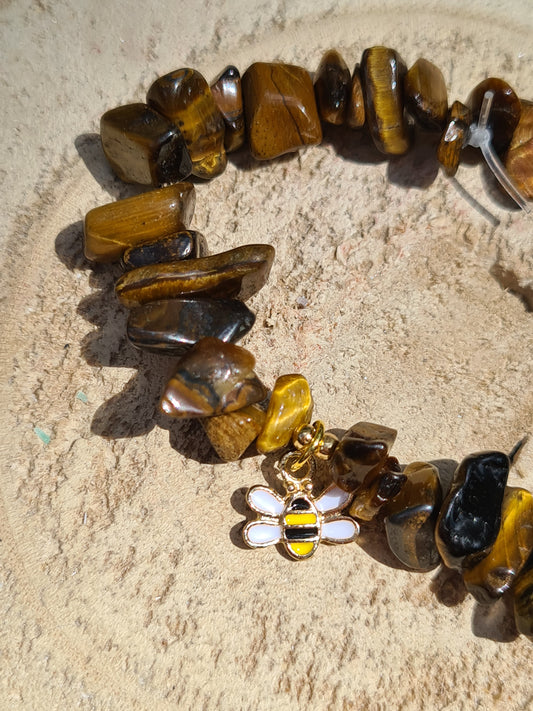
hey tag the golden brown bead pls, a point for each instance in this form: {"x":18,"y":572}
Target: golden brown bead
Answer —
{"x":186,"y":244}
{"x":451,"y":144}
{"x":185,"y":98}
{"x":332,"y":84}
{"x":232,"y":434}
{"x":523,"y":600}
{"x":425,"y":94}
{"x":227,"y":93}
{"x":378,"y":488}
{"x":504,"y":113}
{"x":238,"y":273}
{"x":280,"y":109}
{"x":290,"y":406}
{"x":519,"y":158}
{"x":355,"y":111}
{"x":113,"y":228}
{"x":383,"y":73}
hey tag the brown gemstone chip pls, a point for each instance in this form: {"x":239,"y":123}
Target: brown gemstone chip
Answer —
{"x":231,"y":434}
{"x":519,"y":158}
{"x":143,"y":146}
{"x":227,"y":93}
{"x":523,"y":600}
{"x":213,"y":378}
{"x":451,"y":144}
{"x":378,"y":488}
{"x":186,"y":244}
{"x":111,"y":229}
{"x":238,"y":273}
{"x":355,"y":111}
{"x":184,"y":97}
{"x":332,"y":85}
{"x":280,"y":109}
{"x":504,"y":113}
{"x":426,"y":97}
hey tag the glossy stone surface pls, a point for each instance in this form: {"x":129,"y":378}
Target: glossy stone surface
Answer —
{"x":523,"y":600}
{"x":377,"y":489}
{"x":504,"y":114}
{"x":111,"y":229}
{"x":355,"y":110}
{"x":519,"y":158}
{"x":280,"y":109}
{"x":185,"y":98}
{"x":143,"y":146}
{"x":238,"y":273}
{"x":496,"y":573}
{"x":332,"y":86}
{"x":227,"y":93}
{"x":232,"y":434}
{"x":470,"y":516}
{"x":383,"y":72}
{"x":426,"y":97}
{"x":186,"y":244}
{"x":174,"y":325}
{"x":451,"y":144}
{"x":361,"y":454}
{"x":213,"y":378}
{"x":410,"y":517}
{"x":290,"y":406}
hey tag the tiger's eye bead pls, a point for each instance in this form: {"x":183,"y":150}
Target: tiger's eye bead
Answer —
{"x":470,"y":517}
{"x":504,"y":113}
{"x":290,"y":406}
{"x":238,"y":273}
{"x":111,"y":229}
{"x":227,"y":93}
{"x":186,"y":244}
{"x":355,"y":111}
{"x":232,"y":434}
{"x":519,"y":158}
{"x":213,"y":378}
{"x":523,"y":600}
{"x":410,"y":517}
{"x":383,"y":73}
{"x":185,"y":98}
{"x":377,"y":490}
{"x":495,"y":574}
{"x":451,"y":144}
{"x":426,"y":97}
{"x":361,"y":454}
{"x":280,"y":109}
{"x":174,"y":325}
{"x":143,"y":146}
{"x":332,"y":85}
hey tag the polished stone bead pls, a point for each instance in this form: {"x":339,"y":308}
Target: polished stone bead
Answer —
{"x":361,"y":455}
{"x":227,"y":93}
{"x":111,"y":229}
{"x":504,"y":113}
{"x":458,"y":110}
{"x":383,"y":72}
{"x":451,"y":144}
{"x":378,"y":488}
{"x":426,"y":97}
{"x":232,"y":434}
{"x":174,"y":325}
{"x":186,"y":244}
{"x":519,"y":158}
{"x":470,"y":516}
{"x":280,"y":109}
{"x":213,"y":378}
{"x":355,"y":111}
{"x":496,"y":573}
{"x":185,"y":98}
{"x":410,"y":517}
{"x":290,"y":406}
{"x":523,"y":600}
{"x":238,"y":273}
{"x":143,"y":146}
{"x":332,"y":86}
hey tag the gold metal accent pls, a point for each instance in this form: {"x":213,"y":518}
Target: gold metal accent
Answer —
{"x":313,"y":439}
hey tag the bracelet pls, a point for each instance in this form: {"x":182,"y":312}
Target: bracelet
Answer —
{"x":187,"y":303}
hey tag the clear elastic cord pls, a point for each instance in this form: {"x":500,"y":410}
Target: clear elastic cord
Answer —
{"x":480,"y":136}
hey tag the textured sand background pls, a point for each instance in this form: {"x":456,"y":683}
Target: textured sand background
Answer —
{"x":123,"y":584}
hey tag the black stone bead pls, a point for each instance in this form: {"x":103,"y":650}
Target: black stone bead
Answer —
{"x":470,"y":517}
{"x":187,"y":244}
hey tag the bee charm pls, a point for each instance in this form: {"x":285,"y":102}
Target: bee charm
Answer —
{"x":299,"y":520}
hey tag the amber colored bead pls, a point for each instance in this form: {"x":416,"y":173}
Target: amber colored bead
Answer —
{"x":451,"y":144}
{"x":355,"y":110}
{"x":290,"y":406}
{"x":361,"y":454}
{"x":186,"y":244}
{"x":426,"y":97}
{"x":280,"y":109}
{"x":238,"y":273}
{"x":185,"y":98}
{"x":332,"y":85}
{"x":231,"y":434}
{"x":213,"y":378}
{"x":523,"y":600}
{"x":519,"y":158}
{"x":113,"y":228}
{"x":458,"y":110}
{"x":143,"y":146}
{"x":410,"y":517}
{"x":383,"y":73}
{"x":470,"y":516}
{"x":504,"y":113}
{"x":378,"y":488}
{"x":174,"y":325}
{"x":495,"y":574}
{"x":227,"y":93}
